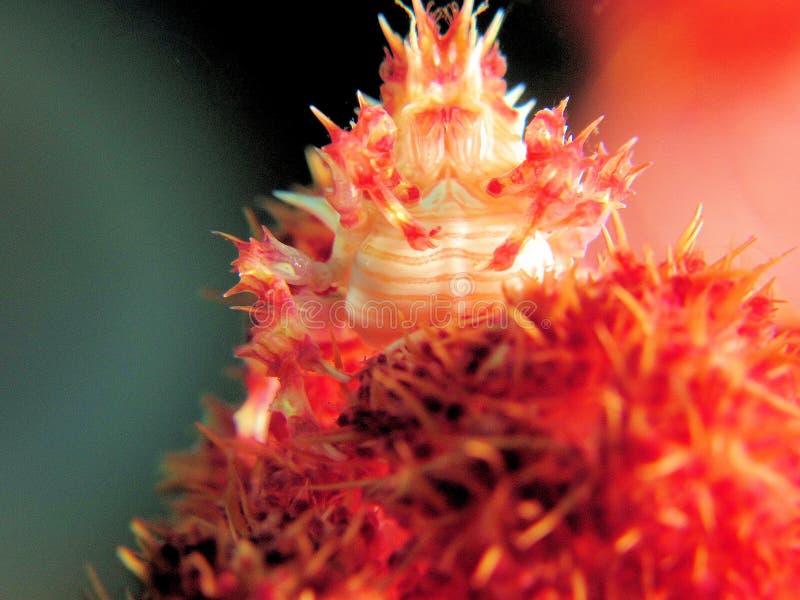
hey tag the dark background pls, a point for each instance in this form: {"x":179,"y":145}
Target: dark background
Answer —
{"x":269,"y":62}
{"x":129,"y":131}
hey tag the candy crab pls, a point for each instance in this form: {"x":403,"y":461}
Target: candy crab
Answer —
{"x":442,"y":403}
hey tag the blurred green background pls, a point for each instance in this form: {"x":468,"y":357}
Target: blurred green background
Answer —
{"x":115,"y":164}
{"x":129,"y":131}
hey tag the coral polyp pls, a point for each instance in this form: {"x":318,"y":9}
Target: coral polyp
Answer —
{"x":642,"y":444}
{"x":444,"y":403}
{"x":639,"y":442}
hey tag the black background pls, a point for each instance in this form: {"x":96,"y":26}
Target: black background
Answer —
{"x":268,"y":62}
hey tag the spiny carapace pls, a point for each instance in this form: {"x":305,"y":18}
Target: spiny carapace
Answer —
{"x":438,"y":196}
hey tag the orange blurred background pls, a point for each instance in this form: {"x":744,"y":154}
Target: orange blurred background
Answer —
{"x":712,"y":90}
